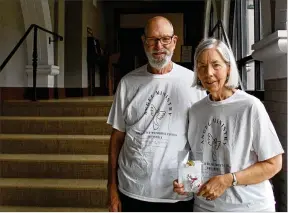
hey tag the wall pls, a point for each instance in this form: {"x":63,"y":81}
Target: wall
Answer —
{"x":52,"y":10}
{"x":140,"y":20}
{"x":12,"y":29}
{"x":272,"y":51}
{"x":73,"y":44}
{"x":59,"y":46}
{"x":276,"y":105}
{"x":96,"y":21}
{"x":78,"y":16}
{"x":57,"y":14}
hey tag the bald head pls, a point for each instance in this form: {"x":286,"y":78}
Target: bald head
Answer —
{"x":158,"y":23}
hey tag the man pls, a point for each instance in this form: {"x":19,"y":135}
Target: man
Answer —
{"x":149,"y":120}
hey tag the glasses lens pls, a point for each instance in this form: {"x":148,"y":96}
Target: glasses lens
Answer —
{"x":150,"y":41}
{"x":166,"y":40}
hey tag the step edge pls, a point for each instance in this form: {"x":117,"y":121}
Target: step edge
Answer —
{"x":51,"y":118}
{"x":4,"y":136}
{"x":50,"y":209}
{"x":65,"y":184}
{"x":75,"y":158}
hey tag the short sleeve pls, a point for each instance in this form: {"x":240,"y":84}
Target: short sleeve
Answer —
{"x":116,"y":115}
{"x":266,"y":143}
{"x":196,"y":95}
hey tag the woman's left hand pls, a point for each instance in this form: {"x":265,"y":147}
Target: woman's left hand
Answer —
{"x":215,"y":186}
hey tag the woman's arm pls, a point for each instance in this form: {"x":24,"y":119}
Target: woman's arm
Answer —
{"x":254,"y":174}
{"x":260,"y":171}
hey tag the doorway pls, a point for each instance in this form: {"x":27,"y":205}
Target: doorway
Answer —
{"x":132,"y":54}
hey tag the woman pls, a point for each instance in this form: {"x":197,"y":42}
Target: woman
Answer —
{"x":232,"y":134}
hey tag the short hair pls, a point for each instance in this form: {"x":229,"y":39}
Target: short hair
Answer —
{"x":226,"y":54}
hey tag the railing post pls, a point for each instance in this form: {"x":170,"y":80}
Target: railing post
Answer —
{"x":34,"y":63}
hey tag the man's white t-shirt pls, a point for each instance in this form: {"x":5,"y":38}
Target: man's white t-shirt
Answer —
{"x":153,"y":111}
{"x":229,"y":136}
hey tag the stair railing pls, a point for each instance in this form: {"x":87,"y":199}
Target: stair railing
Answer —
{"x":34,"y":54}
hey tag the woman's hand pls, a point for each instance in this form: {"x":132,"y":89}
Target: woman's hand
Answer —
{"x":215,"y":186}
{"x":179,"y":188}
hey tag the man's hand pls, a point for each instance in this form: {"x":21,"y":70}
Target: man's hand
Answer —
{"x":114,"y":203}
{"x":215,"y":186}
{"x":179,"y":188}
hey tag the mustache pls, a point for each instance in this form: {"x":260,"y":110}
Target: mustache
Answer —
{"x":160,"y":51}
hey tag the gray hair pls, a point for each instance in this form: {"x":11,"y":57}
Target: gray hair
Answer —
{"x":225,"y":53}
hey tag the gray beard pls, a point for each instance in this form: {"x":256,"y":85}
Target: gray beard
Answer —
{"x":158,"y":64}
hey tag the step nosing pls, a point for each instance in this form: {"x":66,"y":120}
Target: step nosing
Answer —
{"x":53,"y":136}
{"x":78,"y":158}
{"x":72,"y":184}
{"x":70,"y":118}
{"x":50,"y":209}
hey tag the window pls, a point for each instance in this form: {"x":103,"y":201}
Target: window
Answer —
{"x":243,"y":27}
{"x":246,"y":31}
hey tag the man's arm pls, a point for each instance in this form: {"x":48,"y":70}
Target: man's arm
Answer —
{"x":116,"y":142}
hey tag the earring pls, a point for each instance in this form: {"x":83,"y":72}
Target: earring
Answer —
{"x":199,"y":82}
{"x":227,"y":78}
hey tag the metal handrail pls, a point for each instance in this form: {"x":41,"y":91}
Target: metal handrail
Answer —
{"x":34,"y":55}
{"x":241,"y":62}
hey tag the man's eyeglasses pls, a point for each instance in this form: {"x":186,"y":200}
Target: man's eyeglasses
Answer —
{"x":151,"y":41}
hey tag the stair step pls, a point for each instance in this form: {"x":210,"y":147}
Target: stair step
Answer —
{"x":53,"y":192}
{"x":53,"y":166}
{"x":48,"y":209}
{"x":93,"y":106}
{"x":55,"y":125}
{"x":54,"y":158}
{"x":54,"y":144}
{"x":49,"y":183}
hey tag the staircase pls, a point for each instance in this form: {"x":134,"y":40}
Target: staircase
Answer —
{"x":53,"y":155}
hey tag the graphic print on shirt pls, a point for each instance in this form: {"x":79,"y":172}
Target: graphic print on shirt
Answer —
{"x":157,"y":112}
{"x":157,"y":116}
{"x":213,"y":148}
{"x":215,"y":144}
{"x":154,"y":130}
{"x":213,"y":140}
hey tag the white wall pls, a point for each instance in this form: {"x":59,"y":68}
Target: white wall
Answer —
{"x":12,"y":29}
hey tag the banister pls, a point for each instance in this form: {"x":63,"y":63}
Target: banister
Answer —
{"x":16,"y":47}
{"x":34,"y":55}
{"x":23,"y":38}
{"x":50,"y":32}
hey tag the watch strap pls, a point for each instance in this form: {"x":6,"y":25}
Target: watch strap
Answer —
{"x":234,"y":182}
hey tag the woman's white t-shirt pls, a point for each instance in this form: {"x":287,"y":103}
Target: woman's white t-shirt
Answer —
{"x":229,"y":136}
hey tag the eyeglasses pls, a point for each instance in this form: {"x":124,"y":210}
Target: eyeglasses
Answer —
{"x":163,"y":40}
